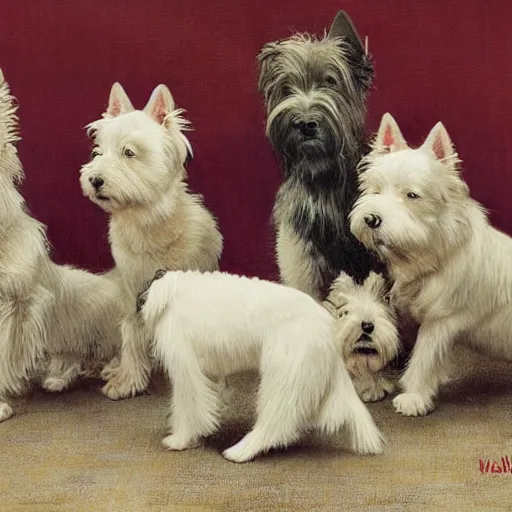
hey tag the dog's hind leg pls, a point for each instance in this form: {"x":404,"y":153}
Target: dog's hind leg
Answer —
{"x":132,"y":375}
{"x":195,"y":399}
{"x":22,"y":339}
{"x":291,"y":390}
{"x":343,"y":408}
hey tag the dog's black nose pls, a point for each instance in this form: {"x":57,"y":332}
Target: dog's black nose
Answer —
{"x":308,"y":127}
{"x":367,"y":327}
{"x":373,"y":221}
{"x":96,"y":182}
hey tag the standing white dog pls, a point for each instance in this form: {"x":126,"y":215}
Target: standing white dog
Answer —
{"x":137,"y":174}
{"x":208,"y":326}
{"x":54,"y":320}
{"x":452,"y":270}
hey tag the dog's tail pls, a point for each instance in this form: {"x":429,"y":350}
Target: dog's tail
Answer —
{"x":344,"y":408}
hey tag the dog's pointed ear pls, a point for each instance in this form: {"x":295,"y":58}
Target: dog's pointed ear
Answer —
{"x":389,"y":137}
{"x":439,"y":143}
{"x":342,"y":26}
{"x":343,"y":283}
{"x":118,"y":102}
{"x":266,"y":58}
{"x":376,"y":285}
{"x":268,"y":51}
{"x":160,"y":104}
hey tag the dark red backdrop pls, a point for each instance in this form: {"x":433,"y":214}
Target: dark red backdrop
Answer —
{"x":435,"y":60}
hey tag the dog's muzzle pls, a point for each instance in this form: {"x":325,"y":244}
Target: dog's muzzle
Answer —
{"x":365,"y":346}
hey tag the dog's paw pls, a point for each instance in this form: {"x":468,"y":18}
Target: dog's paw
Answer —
{"x":5,"y":412}
{"x":243,"y":451}
{"x":373,"y":391}
{"x":110,"y":370}
{"x":374,"y":394}
{"x":55,"y":384}
{"x":235,"y":455}
{"x":120,"y":387}
{"x":412,"y":404}
{"x":175,"y":442}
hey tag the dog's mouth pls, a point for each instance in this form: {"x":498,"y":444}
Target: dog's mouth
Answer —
{"x":364,"y":346}
{"x":102,"y":197}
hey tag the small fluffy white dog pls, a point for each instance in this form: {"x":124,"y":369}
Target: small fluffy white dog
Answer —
{"x":452,"y":270}
{"x":208,"y":326}
{"x":366,"y":330}
{"x":54,"y":320}
{"x":137,"y":174}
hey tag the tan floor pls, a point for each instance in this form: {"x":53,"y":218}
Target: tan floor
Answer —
{"x":78,"y":451}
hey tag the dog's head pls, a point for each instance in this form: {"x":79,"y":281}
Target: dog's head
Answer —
{"x":365,"y":321}
{"x":138,"y":155}
{"x":315,"y":91}
{"x":412,"y":201}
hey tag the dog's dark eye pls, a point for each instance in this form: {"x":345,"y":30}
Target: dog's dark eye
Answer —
{"x":331,"y":80}
{"x":128,"y":153}
{"x":412,"y":195}
{"x":286,"y":91}
{"x":94,"y":153}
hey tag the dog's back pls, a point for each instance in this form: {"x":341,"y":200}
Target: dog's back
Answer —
{"x":237,"y":317}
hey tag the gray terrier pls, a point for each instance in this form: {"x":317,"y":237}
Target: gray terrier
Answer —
{"x":315,"y":92}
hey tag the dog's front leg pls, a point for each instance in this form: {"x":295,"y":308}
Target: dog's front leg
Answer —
{"x":132,"y":375}
{"x":428,"y":367}
{"x":372,"y":387}
{"x":62,"y":371}
{"x":5,"y":411}
{"x":297,"y":268}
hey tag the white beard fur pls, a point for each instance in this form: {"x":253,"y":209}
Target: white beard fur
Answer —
{"x":55,"y":321}
{"x":452,"y":270}
{"x":208,"y":326}
{"x":155,"y":224}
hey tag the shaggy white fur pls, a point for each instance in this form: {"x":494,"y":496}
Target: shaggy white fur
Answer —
{"x":208,"y":326}
{"x":54,"y":320}
{"x":452,"y":270}
{"x":137,"y":174}
{"x":366,"y":331}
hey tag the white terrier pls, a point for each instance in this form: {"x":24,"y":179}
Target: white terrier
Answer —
{"x":452,"y":270}
{"x":208,"y":326}
{"x":366,"y":331}
{"x":54,"y":320}
{"x":137,"y":174}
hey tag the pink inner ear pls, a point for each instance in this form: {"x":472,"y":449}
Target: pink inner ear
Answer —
{"x":388,"y":139}
{"x":159,"y":110}
{"x":115,"y":108}
{"x":438,"y":148}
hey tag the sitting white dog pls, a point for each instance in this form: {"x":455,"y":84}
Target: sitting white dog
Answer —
{"x":452,"y":270}
{"x":208,"y":326}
